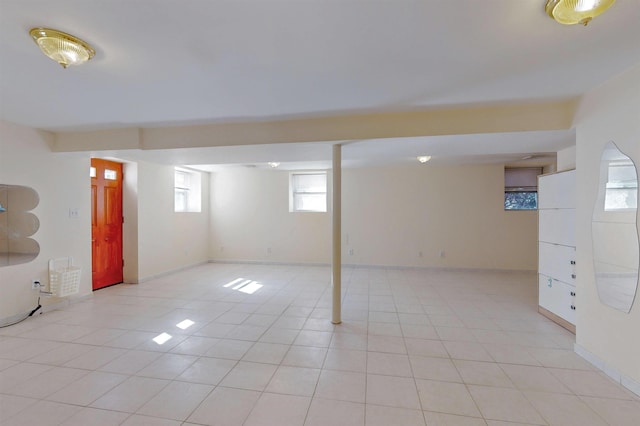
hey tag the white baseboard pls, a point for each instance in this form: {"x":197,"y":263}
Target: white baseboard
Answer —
{"x":610,"y":371}
{"x":265,"y":262}
{"x":13,"y":319}
{"x":64,"y":302}
{"x":45,"y":307}
{"x":363,"y":266}
{"x":164,"y":274}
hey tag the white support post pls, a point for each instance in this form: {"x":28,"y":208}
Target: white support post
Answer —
{"x":336,"y":224}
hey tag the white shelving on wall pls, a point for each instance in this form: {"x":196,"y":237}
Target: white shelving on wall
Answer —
{"x":557,"y":248}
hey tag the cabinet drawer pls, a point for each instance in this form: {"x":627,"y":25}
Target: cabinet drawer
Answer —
{"x":557,"y":226}
{"x":557,"y":297}
{"x":557,"y":261}
{"x":557,"y":190}
{"x":567,"y":300}
{"x":546,"y":292}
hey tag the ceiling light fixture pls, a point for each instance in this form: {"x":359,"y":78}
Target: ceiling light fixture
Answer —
{"x":571,"y":12}
{"x":424,"y":158}
{"x":63,"y":48}
{"x":273,"y":164}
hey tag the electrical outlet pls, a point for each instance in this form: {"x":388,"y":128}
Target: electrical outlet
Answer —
{"x":35,"y":284}
{"x":350,"y":252}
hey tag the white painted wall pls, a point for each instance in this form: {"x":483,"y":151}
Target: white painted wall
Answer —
{"x":390,"y":215}
{"x":130,"y":268}
{"x":566,"y":159}
{"x":156,"y":240}
{"x":62,"y":182}
{"x":607,"y":113}
{"x":250,"y":220}
{"x":168,"y":241}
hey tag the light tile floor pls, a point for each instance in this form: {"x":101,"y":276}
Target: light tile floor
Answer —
{"x":416,"y":348}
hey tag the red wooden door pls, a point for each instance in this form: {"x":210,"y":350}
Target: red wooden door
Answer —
{"x":106,"y":222}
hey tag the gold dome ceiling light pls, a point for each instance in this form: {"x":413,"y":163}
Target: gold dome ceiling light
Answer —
{"x":571,"y":12}
{"x":63,"y":48}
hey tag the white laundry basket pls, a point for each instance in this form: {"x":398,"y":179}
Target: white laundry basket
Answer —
{"x":64,"y":278}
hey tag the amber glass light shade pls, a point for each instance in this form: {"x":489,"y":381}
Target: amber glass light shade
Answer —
{"x":571,"y":12}
{"x":63,"y":48}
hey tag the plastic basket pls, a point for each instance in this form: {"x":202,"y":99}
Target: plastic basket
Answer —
{"x":64,"y":278}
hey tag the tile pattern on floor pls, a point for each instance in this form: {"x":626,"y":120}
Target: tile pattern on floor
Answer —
{"x":416,"y":347}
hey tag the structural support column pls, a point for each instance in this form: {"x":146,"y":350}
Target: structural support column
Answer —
{"x":336,"y":225}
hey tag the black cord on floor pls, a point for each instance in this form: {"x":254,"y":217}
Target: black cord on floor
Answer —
{"x":27,"y":316}
{"x":36,"y":309}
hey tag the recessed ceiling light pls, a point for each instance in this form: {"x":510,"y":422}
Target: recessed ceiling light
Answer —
{"x":273,"y":164}
{"x":63,"y":48}
{"x":424,"y":158}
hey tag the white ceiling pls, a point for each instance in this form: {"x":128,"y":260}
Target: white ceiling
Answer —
{"x":166,"y":62}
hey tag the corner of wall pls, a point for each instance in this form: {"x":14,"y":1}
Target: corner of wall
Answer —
{"x":130,"y":226}
{"x":566,"y":159}
{"x":609,"y":370}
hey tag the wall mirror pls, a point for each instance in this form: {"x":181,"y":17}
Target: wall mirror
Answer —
{"x":17,"y":224}
{"x":614,"y":230}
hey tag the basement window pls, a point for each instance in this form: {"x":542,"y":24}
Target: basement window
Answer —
{"x":521,"y":188}
{"x":187,"y":191}
{"x":308,"y":192}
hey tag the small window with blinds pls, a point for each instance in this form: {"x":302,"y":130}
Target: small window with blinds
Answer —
{"x":308,"y":192}
{"x":521,"y":188}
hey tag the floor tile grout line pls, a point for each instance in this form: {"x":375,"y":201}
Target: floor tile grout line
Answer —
{"x":520,"y":335}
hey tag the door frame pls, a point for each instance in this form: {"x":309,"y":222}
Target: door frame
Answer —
{"x":130,"y":270}
{"x":111,"y":274}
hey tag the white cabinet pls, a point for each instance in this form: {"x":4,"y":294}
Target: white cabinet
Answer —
{"x":557,"y":247}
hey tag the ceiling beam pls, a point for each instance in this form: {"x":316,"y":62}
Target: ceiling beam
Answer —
{"x":556,"y":115}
